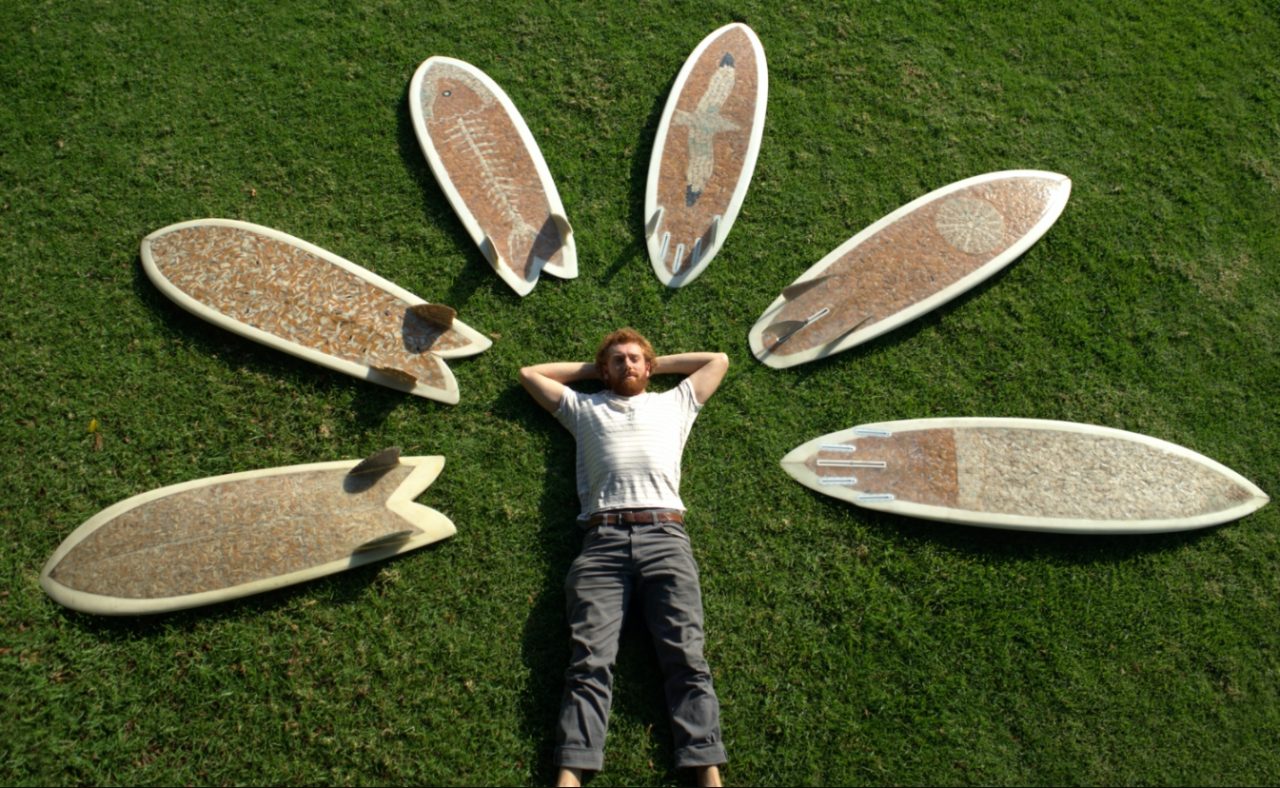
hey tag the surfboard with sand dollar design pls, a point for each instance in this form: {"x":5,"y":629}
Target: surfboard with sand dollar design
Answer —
{"x":705,"y":153}
{"x":1024,"y":474}
{"x":487,"y":163}
{"x":920,"y":256}
{"x":225,"y":537}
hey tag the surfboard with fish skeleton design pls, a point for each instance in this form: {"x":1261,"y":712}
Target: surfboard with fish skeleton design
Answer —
{"x":225,"y":537}
{"x":915,"y":259}
{"x":705,"y":153}
{"x":487,"y":163}
{"x":294,"y":296}
{"x":1024,"y":474}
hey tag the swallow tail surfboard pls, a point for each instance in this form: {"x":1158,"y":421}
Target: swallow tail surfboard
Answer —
{"x":488,"y":165}
{"x":705,"y":152}
{"x":1024,"y":474}
{"x":225,"y":537}
{"x":294,"y":296}
{"x":920,"y":256}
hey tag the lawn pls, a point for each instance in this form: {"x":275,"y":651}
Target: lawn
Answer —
{"x":847,"y":647}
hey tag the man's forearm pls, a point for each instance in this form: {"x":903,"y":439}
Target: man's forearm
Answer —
{"x":565,"y":371}
{"x":683,"y":363}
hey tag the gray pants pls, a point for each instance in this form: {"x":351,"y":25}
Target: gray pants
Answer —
{"x":656,"y":562}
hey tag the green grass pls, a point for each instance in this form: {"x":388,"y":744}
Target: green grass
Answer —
{"x":848,"y":648}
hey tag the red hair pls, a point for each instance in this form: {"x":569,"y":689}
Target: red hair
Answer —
{"x":621,"y":337}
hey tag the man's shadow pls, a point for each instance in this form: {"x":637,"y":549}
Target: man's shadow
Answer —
{"x":545,"y":647}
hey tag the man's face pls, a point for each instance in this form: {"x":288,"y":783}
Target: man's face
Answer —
{"x":626,"y":372}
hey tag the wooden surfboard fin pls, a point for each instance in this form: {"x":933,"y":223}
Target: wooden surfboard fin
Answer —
{"x":800,"y":288}
{"x":785,"y":329}
{"x":398,"y":375}
{"x":386,"y":540}
{"x":655,"y":222}
{"x":378,"y":462}
{"x":438,"y":315}
{"x":562,"y":224}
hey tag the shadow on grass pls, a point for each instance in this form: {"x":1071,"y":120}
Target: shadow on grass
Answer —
{"x":348,"y":587}
{"x":372,"y":404}
{"x":1012,"y":546}
{"x":545,"y":646}
{"x":636,"y":247}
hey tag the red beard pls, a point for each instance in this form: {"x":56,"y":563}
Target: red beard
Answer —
{"x":629,"y":387}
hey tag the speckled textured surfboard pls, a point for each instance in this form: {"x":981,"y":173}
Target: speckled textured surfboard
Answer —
{"x":1024,"y":474}
{"x":294,"y":296}
{"x":705,"y":153}
{"x":225,"y":537}
{"x":911,"y":261}
{"x":488,"y":165}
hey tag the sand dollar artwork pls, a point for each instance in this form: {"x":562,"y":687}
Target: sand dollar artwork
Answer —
{"x":911,"y":261}
{"x":971,"y":225}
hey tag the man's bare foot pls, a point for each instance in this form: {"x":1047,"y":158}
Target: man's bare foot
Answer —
{"x":709,"y":776}
{"x":570,"y":778}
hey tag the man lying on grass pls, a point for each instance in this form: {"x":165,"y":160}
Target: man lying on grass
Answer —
{"x":629,"y":445}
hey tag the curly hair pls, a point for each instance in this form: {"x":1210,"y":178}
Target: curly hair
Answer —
{"x":621,"y":337}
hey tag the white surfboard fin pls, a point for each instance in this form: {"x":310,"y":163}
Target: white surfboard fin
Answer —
{"x":386,"y":540}
{"x":378,"y":462}
{"x":800,"y":288}
{"x":785,"y":329}
{"x":655,"y":222}
{"x":398,"y":375}
{"x":438,"y":315}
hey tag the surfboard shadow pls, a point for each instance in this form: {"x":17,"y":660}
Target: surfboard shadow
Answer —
{"x":437,"y":211}
{"x":1014,"y":547}
{"x":234,"y":352}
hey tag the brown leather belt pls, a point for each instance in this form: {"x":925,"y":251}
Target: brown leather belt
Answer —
{"x":636,"y":517}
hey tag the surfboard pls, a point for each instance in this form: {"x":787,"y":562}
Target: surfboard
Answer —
{"x":705,"y":153}
{"x":486,"y":161}
{"x":225,"y":537}
{"x":294,"y":296}
{"x":920,"y":256}
{"x":1024,"y":474}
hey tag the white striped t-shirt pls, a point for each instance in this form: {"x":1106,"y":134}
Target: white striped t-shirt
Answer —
{"x":629,"y":448}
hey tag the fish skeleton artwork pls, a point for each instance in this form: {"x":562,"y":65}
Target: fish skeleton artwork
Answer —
{"x":487,"y":163}
{"x":704,"y":153}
